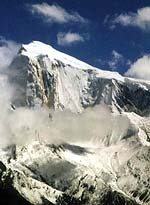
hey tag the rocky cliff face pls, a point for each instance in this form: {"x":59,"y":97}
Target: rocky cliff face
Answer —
{"x":115,"y":171}
{"x":42,"y":79}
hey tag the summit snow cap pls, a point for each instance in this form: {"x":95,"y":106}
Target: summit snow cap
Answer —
{"x":37,"y":48}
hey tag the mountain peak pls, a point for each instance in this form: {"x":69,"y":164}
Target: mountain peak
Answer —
{"x":36,"y":49}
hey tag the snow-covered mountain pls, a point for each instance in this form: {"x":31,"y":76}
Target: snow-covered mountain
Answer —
{"x":43,"y":75}
{"x":112,"y":168}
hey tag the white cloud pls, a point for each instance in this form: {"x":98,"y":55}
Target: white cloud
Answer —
{"x":140,"y":68}
{"x":69,"y":38}
{"x":55,"y":13}
{"x":8,"y":50}
{"x":139,"y":19}
{"x":102,"y":62}
{"x":115,"y":60}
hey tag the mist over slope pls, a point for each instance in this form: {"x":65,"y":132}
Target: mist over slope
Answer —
{"x":71,"y":133}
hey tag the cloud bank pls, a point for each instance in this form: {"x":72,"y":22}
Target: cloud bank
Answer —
{"x":94,"y":126}
{"x":140,"y":68}
{"x":8,"y":49}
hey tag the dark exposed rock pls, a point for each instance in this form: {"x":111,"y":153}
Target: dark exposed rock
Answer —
{"x":9,"y":195}
{"x":115,"y":198}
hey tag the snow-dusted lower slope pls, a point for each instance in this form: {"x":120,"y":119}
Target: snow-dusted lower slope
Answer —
{"x":110,"y":169}
{"x":78,"y":174}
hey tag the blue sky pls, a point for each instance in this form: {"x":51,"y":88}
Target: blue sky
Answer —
{"x":113,"y":35}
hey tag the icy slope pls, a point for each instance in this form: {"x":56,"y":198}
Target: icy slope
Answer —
{"x":76,"y":174}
